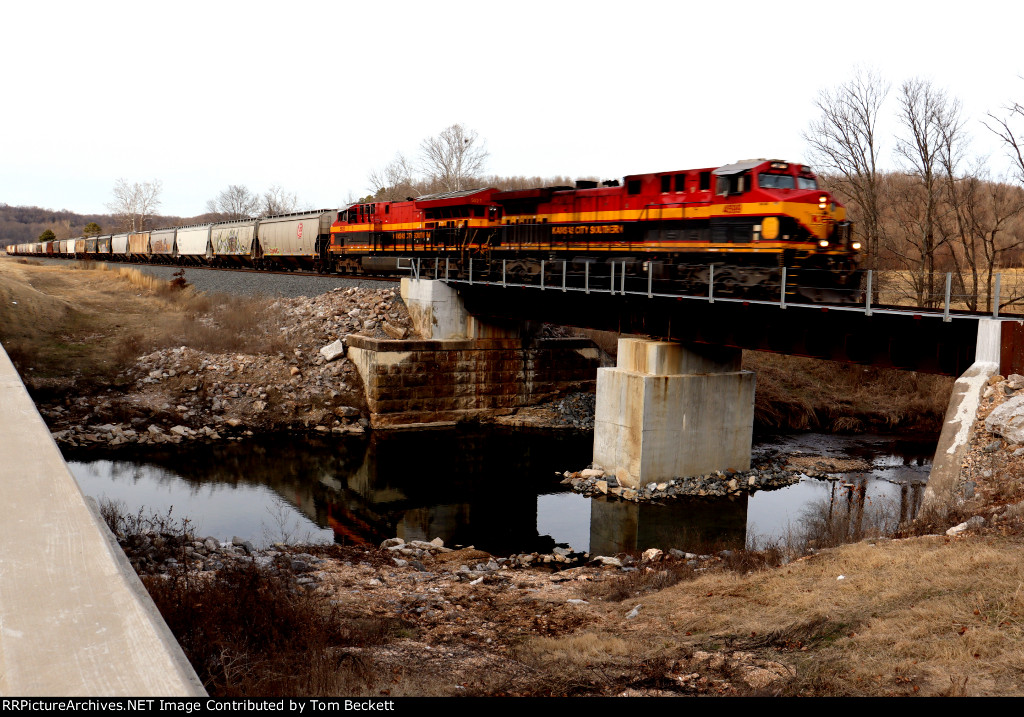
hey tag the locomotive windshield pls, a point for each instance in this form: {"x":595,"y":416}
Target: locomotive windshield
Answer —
{"x":776,"y":181}
{"x":806,"y":183}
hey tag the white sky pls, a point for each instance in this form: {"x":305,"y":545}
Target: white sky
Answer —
{"x":313,"y":95}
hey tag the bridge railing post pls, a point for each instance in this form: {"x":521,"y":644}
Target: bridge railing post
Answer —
{"x":542,"y":275}
{"x":622,"y":280}
{"x":612,"y":283}
{"x":563,"y":276}
{"x":503,"y":283}
{"x":586,"y":277}
{"x":650,"y":280}
{"x":949,"y":284}
{"x":435,"y":268}
{"x":711,"y":284}
{"x":471,"y":271}
{"x":446,"y":268}
{"x":782,"y":293}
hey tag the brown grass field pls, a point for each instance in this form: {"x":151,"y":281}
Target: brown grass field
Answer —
{"x":64,"y":327}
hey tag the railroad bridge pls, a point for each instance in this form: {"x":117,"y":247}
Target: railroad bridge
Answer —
{"x":678,"y":402}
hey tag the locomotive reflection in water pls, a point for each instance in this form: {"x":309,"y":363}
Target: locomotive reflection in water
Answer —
{"x":736,"y":225}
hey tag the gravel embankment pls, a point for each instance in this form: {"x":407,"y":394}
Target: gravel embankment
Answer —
{"x":248,"y":283}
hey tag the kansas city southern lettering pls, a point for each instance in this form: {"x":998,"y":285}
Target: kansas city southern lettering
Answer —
{"x":589,"y":229}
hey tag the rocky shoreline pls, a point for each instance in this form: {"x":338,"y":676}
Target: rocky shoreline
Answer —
{"x":771,"y":472}
{"x":163,"y":553}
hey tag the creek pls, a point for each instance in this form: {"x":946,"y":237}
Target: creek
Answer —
{"x":491,"y":488}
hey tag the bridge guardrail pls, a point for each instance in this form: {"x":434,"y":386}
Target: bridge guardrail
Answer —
{"x":617,"y":281}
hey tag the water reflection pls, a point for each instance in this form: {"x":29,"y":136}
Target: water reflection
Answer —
{"x":497,"y":490}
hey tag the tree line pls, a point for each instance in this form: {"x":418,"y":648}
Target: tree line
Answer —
{"x":941,"y":210}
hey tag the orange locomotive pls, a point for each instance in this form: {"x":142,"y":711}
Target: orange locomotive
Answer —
{"x":747,"y":220}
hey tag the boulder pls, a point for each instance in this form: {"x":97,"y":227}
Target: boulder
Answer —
{"x":395,"y":332}
{"x":334,"y":350}
{"x":1007,"y":420}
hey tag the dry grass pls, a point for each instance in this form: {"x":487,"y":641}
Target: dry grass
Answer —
{"x":643,"y":581}
{"x":253,"y":632}
{"x":581,"y":664}
{"x":807,"y":394}
{"x":88,"y":324}
{"x":908,"y":617}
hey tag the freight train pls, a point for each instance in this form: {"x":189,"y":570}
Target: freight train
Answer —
{"x":742,"y":226}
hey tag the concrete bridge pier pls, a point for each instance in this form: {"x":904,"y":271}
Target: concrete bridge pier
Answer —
{"x":669,"y":410}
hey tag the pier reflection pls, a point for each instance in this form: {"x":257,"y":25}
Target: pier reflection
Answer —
{"x":494,"y":489}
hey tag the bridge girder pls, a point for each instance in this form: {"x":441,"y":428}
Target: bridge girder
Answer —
{"x":907,"y":342}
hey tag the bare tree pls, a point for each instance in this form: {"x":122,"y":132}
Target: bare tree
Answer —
{"x":933,"y":130}
{"x":991,"y":213}
{"x":134,"y":203}
{"x":453,"y":158}
{"x":844,"y":144}
{"x":277,"y":201}
{"x":394,"y":182}
{"x":1013,"y":140}
{"x":235,"y":202}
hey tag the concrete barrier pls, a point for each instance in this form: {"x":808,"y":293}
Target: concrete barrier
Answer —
{"x":75,"y":620}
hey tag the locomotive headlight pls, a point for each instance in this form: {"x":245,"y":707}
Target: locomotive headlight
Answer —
{"x":822,"y":201}
{"x":855,"y":246}
{"x":823,"y":243}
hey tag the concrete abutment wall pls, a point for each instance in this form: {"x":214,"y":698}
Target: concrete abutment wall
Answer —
{"x":958,"y":426}
{"x":411,"y":383}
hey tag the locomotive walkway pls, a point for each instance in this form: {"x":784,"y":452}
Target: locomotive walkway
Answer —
{"x":74,"y":618}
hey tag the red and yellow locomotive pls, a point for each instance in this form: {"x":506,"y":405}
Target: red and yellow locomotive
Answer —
{"x":749,"y":220}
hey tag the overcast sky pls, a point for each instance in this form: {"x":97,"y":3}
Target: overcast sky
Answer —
{"x":313,"y":95}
